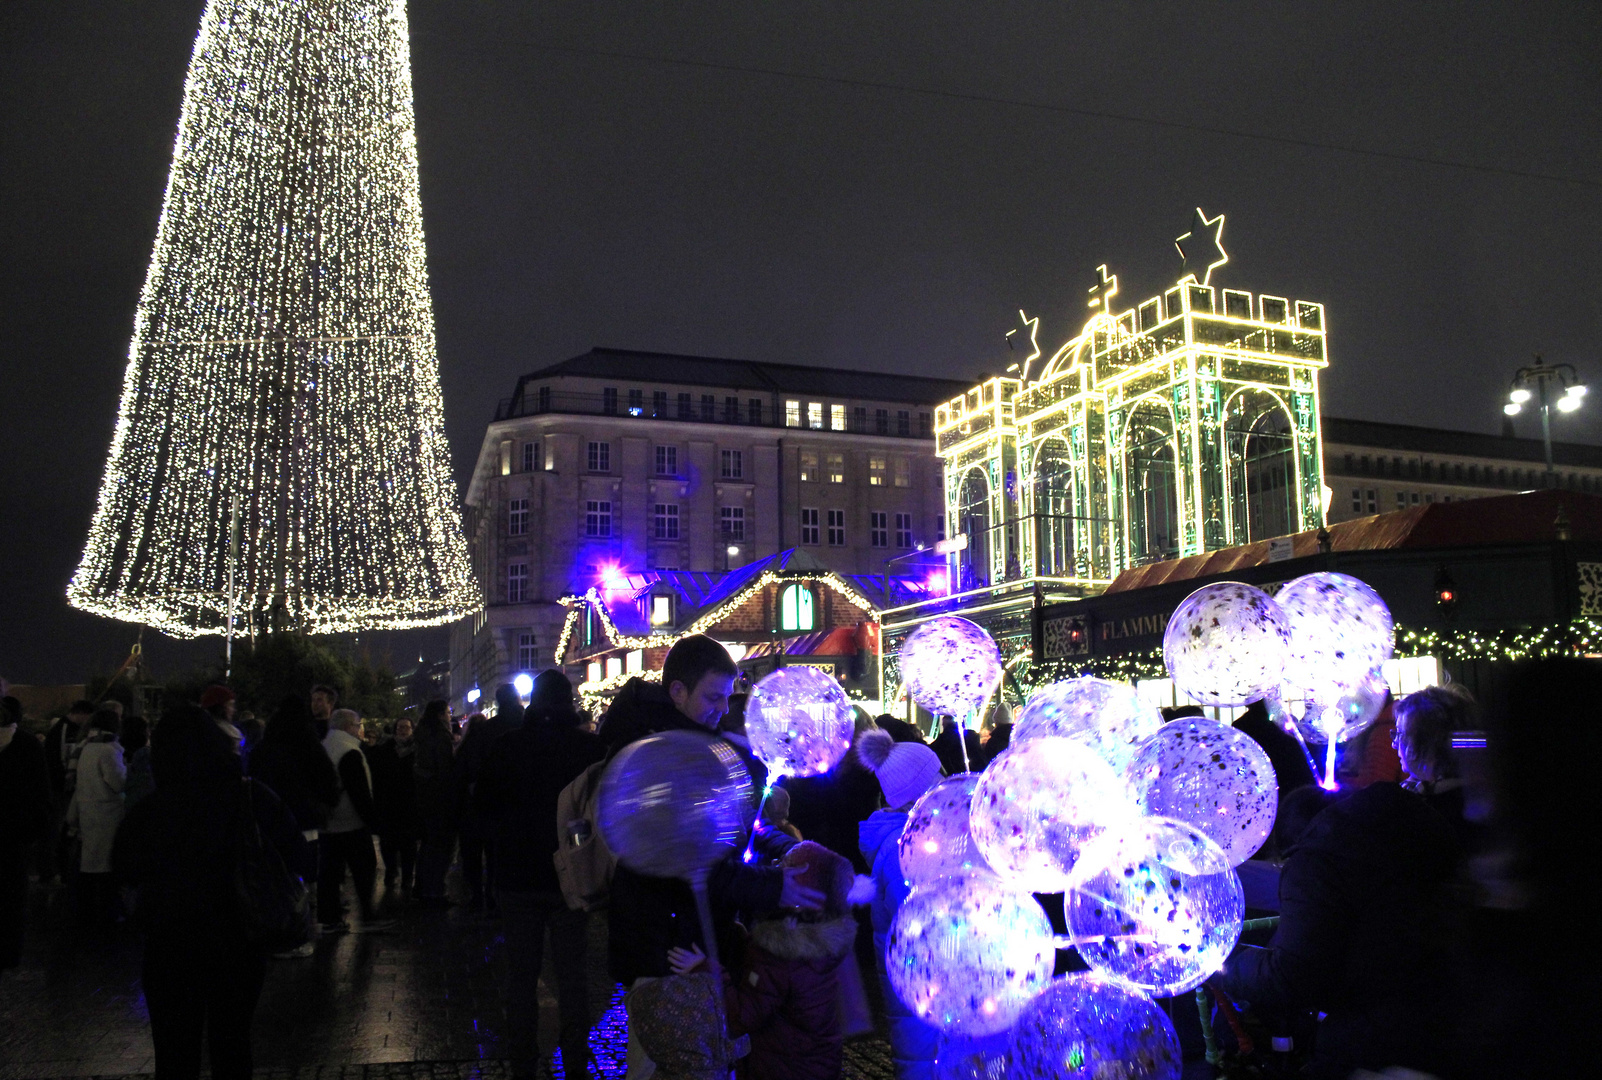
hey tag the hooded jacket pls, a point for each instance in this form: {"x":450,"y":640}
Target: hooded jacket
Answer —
{"x":785,"y":995}
{"x":912,"y":1042}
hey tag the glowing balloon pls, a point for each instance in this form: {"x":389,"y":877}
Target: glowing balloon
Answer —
{"x":1154,"y":906}
{"x":1351,"y":712}
{"x":674,"y":804}
{"x":1210,"y":776}
{"x":936,"y":842}
{"x":967,"y":954}
{"x":1038,"y":803}
{"x":985,"y":1057}
{"x":1340,"y":631}
{"x":1108,"y":717}
{"x":950,"y":665}
{"x":1227,"y":644}
{"x":799,"y":721}
{"x":1086,"y":1026}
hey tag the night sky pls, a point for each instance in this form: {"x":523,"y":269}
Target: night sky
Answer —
{"x":873,"y":185}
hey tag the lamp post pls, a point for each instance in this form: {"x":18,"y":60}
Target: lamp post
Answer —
{"x":1535,"y":381}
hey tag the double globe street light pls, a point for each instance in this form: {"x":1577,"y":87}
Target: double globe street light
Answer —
{"x":1536,"y":381}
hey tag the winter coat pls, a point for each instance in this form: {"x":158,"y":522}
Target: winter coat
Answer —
{"x":646,"y":916}
{"x":785,"y":993}
{"x":523,"y":774}
{"x":1364,"y":902}
{"x":25,"y":799}
{"x":355,"y":809}
{"x":97,"y":805}
{"x":949,"y":751}
{"x":178,"y":848}
{"x":433,"y":777}
{"x":140,"y":782}
{"x":394,"y":788}
{"x":481,"y":735}
{"x":828,"y":809}
{"x":1284,"y":752}
{"x":912,"y":1042}
{"x":292,"y":761}
{"x":59,"y":740}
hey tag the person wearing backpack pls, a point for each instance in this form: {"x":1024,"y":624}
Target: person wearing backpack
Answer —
{"x":181,"y":849}
{"x":522,"y":775}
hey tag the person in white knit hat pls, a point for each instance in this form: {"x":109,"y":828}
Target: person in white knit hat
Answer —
{"x":905,"y":771}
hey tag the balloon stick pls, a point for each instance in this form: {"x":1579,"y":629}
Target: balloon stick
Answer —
{"x":703,"y":908}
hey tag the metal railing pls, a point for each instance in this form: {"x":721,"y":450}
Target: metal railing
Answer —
{"x":720,"y":409}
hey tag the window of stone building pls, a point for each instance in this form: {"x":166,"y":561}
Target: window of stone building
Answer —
{"x":903,"y":422}
{"x":753,"y":408}
{"x":599,"y":457}
{"x":809,"y":466}
{"x":506,"y":457}
{"x":667,"y":521}
{"x":731,"y":519}
{"x":1357,"y":500}
{"x":659,"y":404}
{"x":809,"y":525}
{"x":661,"y":611}
{"x":837,"y":420}
{"x":527,"y":653}
{"x":792,"y":414}
{"x":876,"y":466}
{"x":732,"y":466}
{"x":1366,"y":464}
{"x":667,"y":461}
{"x":516,"y":517}
{"x":837,"y":537}
{"x":903,"y":468}
{"x":731,"y":410}
{"x":544,"y":399}
{"x":686,"y":409}
{"x":531,"y":456}
{"x":815,"y":415}
{"x":609,"y":400}
{"x":940,"y":527}
{"x":636,"y":402}
{"x":859,"y":418}
{"x":516,"y":582}
{"x":1373,"y":501}
{"x":598,"y":518}
{"x":796,"y":608}
{"x":881,"y":421}
{"x":924,"y":425}
{"x":709,"y":407}
{"x":836,"y":468}
{"x":903,"y":531}
{"x":878,"y":529}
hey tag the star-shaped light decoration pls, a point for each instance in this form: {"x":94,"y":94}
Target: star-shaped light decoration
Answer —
{"x":1203,"y":247}
{"x":1031,"y":331}
{"x":1103,"y":287}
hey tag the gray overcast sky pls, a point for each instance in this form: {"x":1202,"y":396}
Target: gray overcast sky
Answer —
{"x":649,"y":176}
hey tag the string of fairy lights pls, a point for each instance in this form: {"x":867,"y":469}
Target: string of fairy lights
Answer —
{"x":283,"y":351}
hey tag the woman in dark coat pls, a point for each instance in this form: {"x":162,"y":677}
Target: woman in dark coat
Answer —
{"x":180,"y":849}
{"x":291,"y":760}
{"x":395,"y":799}
{"x":435,"y":784}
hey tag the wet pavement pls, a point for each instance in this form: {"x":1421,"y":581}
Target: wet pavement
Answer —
{"x":423,"y":1002}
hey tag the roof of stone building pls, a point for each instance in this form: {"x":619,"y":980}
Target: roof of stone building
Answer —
{"x":1407,"y":438}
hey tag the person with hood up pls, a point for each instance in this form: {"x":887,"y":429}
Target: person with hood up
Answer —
{"x":347,"y":840}
{"x":522,"y":777}
{"x":783,"y":988}
{"x":905,"y":771}
{"x":179,"y":848}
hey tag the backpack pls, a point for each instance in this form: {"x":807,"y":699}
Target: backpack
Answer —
{"x":584,"y":864}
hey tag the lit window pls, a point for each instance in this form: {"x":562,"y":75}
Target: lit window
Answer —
{"x":876,"y":471}
{"x":809,"y":526}
{"x":837,"y":418}
{"x":732,"y":520}
{"x":516,"y":582}
{"x":506,"y":457}
{"x":903,"y":472}
{"x":661,"y":611}
{"x":634,"y":660}
{"x":593,"y":672}
{"x":531,"y":454}
{"x":809,"y":466}
{"x":667,"y":521}
{"x":614,"y":666}
{"x":686,"y":408}
{"x":667,"y":461}
{"x":527,"y":658}
{"x":903,"y":531}
{"x":792,"y":414}
{"x":878,"y":529}
{"x":815,"y":415}
{"x":795,"y":608}
{"x":609,"y":400}
{"x":599,"y":457}
{"x":837,"y":528}
{"x":516,"y":517}
{"x":903,"y":422}
{"x":836,"y":468}
{"x":597,"y":518}
{"x":732,"y":467}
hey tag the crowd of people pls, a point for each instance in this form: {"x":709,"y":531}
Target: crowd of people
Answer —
{"x":1414,"y":904}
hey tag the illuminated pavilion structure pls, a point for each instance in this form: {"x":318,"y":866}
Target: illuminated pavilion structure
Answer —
{"x":1185,"y":424}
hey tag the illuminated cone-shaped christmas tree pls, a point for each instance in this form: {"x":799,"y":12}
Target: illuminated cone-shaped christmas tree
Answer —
{"x":283,"y":349}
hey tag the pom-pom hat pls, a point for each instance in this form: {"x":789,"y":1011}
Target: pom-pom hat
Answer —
{"x":905,"y":770}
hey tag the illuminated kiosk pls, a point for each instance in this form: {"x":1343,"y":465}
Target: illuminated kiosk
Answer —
{"x":1186,"y":424}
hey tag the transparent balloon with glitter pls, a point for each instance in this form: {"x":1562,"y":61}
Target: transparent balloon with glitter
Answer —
{"x":1227,"y":644}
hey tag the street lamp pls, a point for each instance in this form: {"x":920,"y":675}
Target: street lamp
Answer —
{"x":1541,"y":376}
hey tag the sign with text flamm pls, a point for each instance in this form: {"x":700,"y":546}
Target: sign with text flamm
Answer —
{"x":1085,"y":635}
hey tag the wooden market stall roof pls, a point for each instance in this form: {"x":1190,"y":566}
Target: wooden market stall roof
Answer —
{"x":1525,"y":518}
